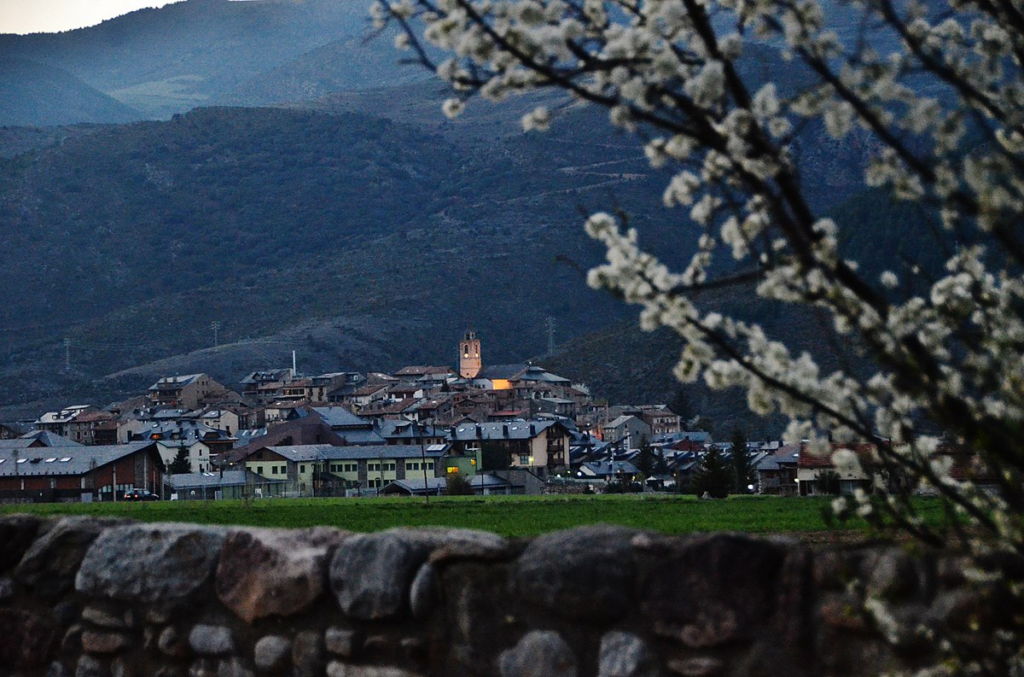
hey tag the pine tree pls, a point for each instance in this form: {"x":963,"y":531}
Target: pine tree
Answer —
{"x":741,"y":461}
{"x":180,"y":465}
{"x":713,"y":476}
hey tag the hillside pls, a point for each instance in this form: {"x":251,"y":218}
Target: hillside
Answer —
{"x":131,"y":240}
{"x":171,"y":59}
{"x":36,"y":94}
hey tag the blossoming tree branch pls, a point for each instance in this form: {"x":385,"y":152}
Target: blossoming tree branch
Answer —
{"x":936,"y":86}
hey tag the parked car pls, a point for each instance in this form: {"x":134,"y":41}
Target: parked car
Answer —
{"x":140,"y":495}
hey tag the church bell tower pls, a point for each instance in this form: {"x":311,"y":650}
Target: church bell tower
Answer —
{"x":469,"y":355}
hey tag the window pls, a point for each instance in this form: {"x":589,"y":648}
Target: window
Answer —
{"x":273,"y":469}
{"x":453,"y":470}
{"x":524,"y":459}
{"x":430,"y":465}
{"x":412,"y":466}
{"x":302,"y":467}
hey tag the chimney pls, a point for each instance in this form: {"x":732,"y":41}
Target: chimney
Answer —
{"x":504,"y":430}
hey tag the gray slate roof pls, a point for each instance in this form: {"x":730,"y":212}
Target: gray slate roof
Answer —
{"x":230,"y":478}
{"x":340,"y":417}
{"x":514,"y":430}
{"x":49,"y":461}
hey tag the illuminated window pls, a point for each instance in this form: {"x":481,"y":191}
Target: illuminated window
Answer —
{"x":453,"y":470}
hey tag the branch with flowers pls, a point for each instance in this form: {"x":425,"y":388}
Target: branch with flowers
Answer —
{"x":920,"y":78}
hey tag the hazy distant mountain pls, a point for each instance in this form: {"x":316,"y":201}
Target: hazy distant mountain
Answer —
{"x":36,"y":94}
{"x":350,"y":63}
{"x":171,"y":59}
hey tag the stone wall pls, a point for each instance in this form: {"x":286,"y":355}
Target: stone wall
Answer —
{"x":113,"y":598}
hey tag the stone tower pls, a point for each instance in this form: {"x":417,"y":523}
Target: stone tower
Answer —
{"x":469,"y":355}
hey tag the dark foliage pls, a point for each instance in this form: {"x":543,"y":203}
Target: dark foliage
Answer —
{"x":713,"y":476}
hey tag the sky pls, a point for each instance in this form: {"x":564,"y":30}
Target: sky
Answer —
{"x":51,"y":16}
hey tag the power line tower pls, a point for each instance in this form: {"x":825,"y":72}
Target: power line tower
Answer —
{"x":215,"y":326}
{"x":551,"y":335}
{"x":67,"y":355}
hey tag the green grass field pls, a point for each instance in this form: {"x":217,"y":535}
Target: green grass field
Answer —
{"x":514,"y":516}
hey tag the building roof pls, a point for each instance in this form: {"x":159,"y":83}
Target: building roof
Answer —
{"x":608,"y":468}
{"x":415,"y":486}
{"x":417,"y":371}
{"x":390,"y":451}
{"x":515,"y":430}
{"x":175,"y":381}
{"x":210,"y":480}
{"x":266,"y":376}
{"x":505,"y":372}
{"x":395,"y":429}
{"x":340,"y":418}
{"x":621,"y":420}
{"x":45,"y":437}
{"x":64,"y":415}
{"x":46,"y":462}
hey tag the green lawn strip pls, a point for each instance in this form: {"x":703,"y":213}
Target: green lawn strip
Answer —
{"x":515,"y":516}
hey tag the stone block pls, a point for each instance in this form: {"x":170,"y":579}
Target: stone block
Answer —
{"x":211,"y":640}
{"x":623,"y":654}
{"x":273,"y":572}
{"x":339,"y":669}
{"x":104,"y":616}
{"x":582,"y":574}
{"x":50,"y":564}
{"x":233,"y":667}
{"x":94,"y":642}
{"x":272,"y":653}
{"x":541,"y":653}
{"x":171,"y":642}
{"x":150,"y":563}
{"x":90,"y":666}
{"x":340,"y":642}
{"x":700,"y":666}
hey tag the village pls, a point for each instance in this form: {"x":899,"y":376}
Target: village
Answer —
{"x":481,"y":429}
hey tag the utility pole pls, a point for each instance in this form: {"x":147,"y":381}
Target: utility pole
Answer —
{"x":215,"y":326}
{"x":423,"y":461}
{"x":67,"y":355}
{"x":551,"y":335}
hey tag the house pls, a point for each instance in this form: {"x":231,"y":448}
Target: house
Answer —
{"x":410,"y":433}
{"x":226,"y":484}
{"x":609,"y":471}
{"x":78,"y":473}
{"x":200,"y":443}
{"x":777,"y":471}
{"x":366,"y":395}
{"x":539,"y":445}
{"x":82,"y":428}
{"x":57,"y":421}
{"x":322,"y":469}
{"x":484,"y":484}
{"x":811,"y":466}
{"x":261,"y":387}
{"x":661,"y":419}
{"x":626,"y":431}
{"x":352,"y":429}
{"x":188,"y":391}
